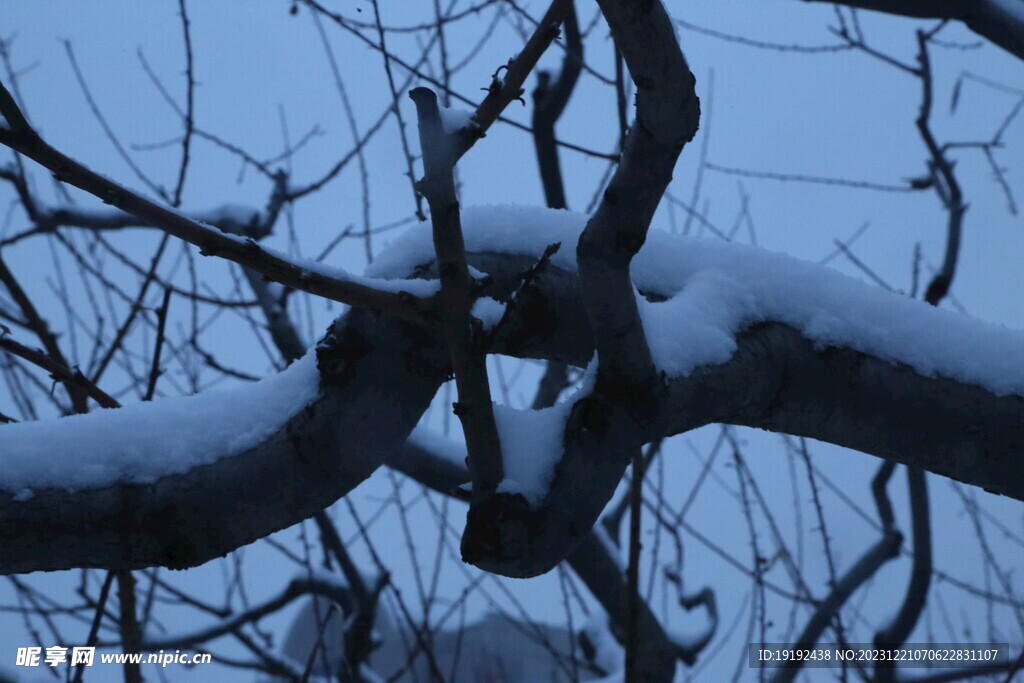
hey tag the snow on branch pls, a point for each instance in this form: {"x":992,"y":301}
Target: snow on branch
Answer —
{"x":746,"y":337}
{"x":178,"y":482}
{"x":144,"y":442}
{"x":743,"y":336}
{"x":698,"y":294}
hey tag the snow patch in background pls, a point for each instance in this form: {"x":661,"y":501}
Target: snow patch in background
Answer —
{"x":454,"y":451}
{"x":142,"y":442}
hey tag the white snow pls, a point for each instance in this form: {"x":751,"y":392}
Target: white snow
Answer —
{"x":608,"y":654}
{"x":421,"y":288}
{"x":143,"y":442}
{"x":714,"y":290}
{"x":488,"y":311}
{"x":531,"y":442}
{"x":717,"y":289}
{"x":245,"y":215}
{"x":531,"y":446}
{"x":454,"y":120}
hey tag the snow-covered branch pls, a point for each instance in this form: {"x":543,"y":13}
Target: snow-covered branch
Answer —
{"x":750,"y":338}
{"x":178,"y":482}
{"x":743,"y":336}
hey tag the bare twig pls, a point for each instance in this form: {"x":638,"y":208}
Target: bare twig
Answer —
{"x":26,"y":141}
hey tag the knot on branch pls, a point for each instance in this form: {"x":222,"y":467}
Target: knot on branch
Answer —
{"x":339,"y":352}
{"x":669,"y":120}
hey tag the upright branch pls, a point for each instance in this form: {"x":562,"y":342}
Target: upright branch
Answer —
{"x":944,"y":181}
{"x":508,"y":88}
{"x":549,"y":100}
{"x":128,"y":623}
{"x":667,"y":116}
{"x":462,"y":333}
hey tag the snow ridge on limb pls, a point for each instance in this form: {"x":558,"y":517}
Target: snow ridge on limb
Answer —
{"x":376,"y":379}
{"x":699,"y":294}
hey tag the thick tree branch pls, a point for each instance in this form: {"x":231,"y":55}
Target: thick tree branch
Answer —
{"x":666,"y":119}
{"x":501,"y":538}
{"x":376,"y":379}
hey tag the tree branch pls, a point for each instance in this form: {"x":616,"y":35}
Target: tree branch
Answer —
{"x":24,"y":140}
{"x":376,"y":379}
{"x":1000,"y":21}
{"x":666,"y":119}
{"x":463,"y":334}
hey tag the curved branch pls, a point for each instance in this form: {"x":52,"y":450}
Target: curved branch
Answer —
{"x":667,"y":115}
{"x":884,"y":549}
{"x":376,"y":379}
